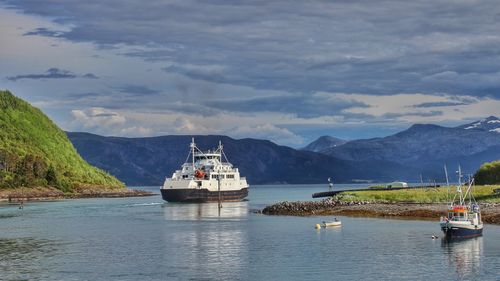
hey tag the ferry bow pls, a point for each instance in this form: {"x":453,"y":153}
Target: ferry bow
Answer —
{"x":206,"y":178}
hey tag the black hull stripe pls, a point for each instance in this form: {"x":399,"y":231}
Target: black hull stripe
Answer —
{"x":202,"y":195}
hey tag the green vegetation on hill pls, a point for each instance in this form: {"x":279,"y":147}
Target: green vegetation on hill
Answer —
{"x":488,"y":173}
{"x":35,"y":152}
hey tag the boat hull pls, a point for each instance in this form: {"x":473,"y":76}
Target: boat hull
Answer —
{"x":202,"y":195}
{"x":332,"y":224}
{"x":452,"y":232}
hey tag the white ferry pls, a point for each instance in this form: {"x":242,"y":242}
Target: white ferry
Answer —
{"x":205,"y":179}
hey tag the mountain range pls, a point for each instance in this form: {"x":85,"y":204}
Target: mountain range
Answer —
{"x":35,"y":152}
{"x":147,"y":161}
{"x":422,"y":149}
{"x":428,"y":147}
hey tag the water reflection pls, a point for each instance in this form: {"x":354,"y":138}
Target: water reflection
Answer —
{"x":464,"y":256}
{"x":212,"y":247}
{"x":206,"y":211}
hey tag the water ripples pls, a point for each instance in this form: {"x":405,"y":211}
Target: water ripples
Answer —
{"x":140,"y":239}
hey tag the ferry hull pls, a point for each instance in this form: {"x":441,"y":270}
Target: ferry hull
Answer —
{"x":461,"y":232}
{"x":202,"y":195}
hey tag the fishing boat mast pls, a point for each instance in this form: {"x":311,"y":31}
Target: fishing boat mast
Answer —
{"x":447,"y":183}
{"x":193,"y":145}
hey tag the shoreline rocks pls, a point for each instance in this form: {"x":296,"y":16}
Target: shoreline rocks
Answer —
{"x":305,"y":208}
{"x":49,"y":193}
{"x":327,"y":207}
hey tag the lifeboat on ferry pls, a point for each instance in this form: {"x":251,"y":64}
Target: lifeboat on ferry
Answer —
{"x":199,"y":174}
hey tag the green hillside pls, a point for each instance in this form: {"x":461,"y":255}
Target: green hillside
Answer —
{"x":34,"y":152}
{"x":488,"y":173}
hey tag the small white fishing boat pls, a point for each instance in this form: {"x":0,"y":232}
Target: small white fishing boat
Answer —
{"x":336,"y":222}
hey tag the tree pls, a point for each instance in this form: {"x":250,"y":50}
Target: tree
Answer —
{"x":51,"y":176}
{"x":488,"y":173}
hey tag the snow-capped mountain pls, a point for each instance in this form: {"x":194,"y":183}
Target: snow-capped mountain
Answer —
{"x":427,"y":147}
{"x":490,"y":124}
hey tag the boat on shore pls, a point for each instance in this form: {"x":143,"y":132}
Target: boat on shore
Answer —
{"x":464,"y":217}
{"x":206,"y":178}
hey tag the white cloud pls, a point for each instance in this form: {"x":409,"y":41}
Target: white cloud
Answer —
{"x":183,"y":125}
{"x":98,"y":117}
{"x":278,"y":65}
{"x":107,"y":122}
{"x":400,"y":109}
{"x":267,"y":131}
{"x":225,"y":123}
{"x":404,"y":107}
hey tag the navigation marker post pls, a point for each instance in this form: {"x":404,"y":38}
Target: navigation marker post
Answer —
{"x":218,"y":190}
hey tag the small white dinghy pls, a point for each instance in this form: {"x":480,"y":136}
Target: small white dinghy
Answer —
{"x":336,"y":222}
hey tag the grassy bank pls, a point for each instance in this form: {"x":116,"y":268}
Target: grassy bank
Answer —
{"x":428,"y":195}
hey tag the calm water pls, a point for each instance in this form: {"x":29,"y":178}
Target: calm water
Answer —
{"x":147,"y":239}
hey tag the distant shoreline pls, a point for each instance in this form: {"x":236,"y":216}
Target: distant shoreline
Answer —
{"x":328,"y":207}
{"x":50,"y":193}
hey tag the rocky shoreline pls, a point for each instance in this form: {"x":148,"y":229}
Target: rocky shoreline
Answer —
{"x":490,"y":212}
{"x":49,"y":193}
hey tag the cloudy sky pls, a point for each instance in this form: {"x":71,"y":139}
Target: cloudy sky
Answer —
{"x":289,"y":71}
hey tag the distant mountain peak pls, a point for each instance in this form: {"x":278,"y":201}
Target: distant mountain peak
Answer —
{"x":423,"y":126}
{"x":323,"y":143}
{"x":418,"y":129}
{"x":490,"y":124}
{"x":330,"y":138}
